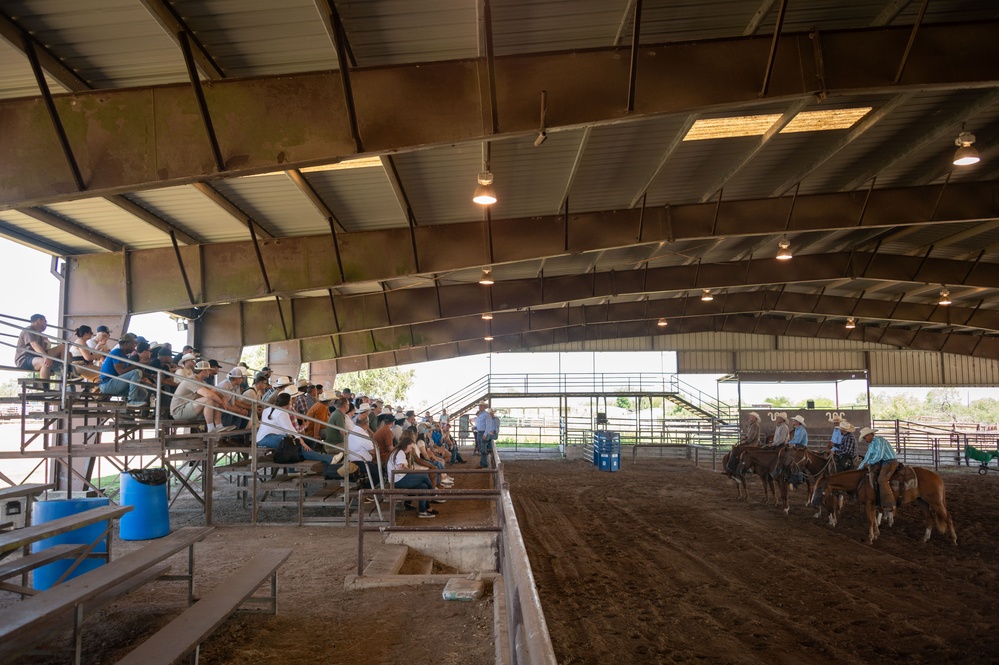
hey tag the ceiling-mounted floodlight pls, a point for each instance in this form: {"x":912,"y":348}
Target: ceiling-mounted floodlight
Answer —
{"x":706,"y":296}
{"x":965,"y":155}
{"x":662,"y":322}
{"x":488,"y":338}
{"x":485,"y":194}
{"x":851,"y":323}
{"x":784,"y":249}
{"x":487,"y":277}
{"x":944,"y":298}
{"x":487,"y":316}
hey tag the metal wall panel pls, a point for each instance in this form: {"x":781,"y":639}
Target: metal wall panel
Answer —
{"x":714,"y":341}
{"x":705,"y":362}
{"x":799,"y":361}
{"x":812,"y":344}
{"x":968,"y":371}
{"x":905,"y":368}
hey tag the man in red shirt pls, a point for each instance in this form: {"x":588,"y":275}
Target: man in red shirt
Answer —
{"x":383,"y":436}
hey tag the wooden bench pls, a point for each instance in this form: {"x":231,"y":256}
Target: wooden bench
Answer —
{"x":16,"y":502}
{"x":186,"y":633}
{"x":24,"y":625}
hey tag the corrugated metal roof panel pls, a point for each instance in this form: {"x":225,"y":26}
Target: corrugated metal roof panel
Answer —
{"x":260,"y":37}
{"x":521,"y":26}
{"x":110,"y":43}
{"x":16,"y":77}
{"x":362,"y":199}
{"x":534,"y":186}
{"x":385,"y":32}
{"x":45,"y":232}
{"x":111,"y":221}
{"x":276,"y":202}
{"x":440,"y":184}
{"x":190,"y":210}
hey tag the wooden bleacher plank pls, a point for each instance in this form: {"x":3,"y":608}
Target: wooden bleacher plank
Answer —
{"x":21,"y":623}
{"x":20,"y":537}
{"x":31,"y":489}
{"x":37,"y":559}
{"x":182,"y":635}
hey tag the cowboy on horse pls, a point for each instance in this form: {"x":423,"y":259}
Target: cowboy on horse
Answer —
{"x":843,"y":445}
{"x":881,"y":463}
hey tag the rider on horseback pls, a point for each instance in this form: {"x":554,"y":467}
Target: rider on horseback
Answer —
{"x":843,"y":446}
{"x":880,"y":455}
{"x":781,"y":435}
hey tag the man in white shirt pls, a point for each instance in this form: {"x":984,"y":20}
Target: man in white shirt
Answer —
{"x":481,"y":423}
{"x":361,"y":449}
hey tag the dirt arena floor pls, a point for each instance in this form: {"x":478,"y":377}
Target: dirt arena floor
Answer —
{"x":658,"y":563}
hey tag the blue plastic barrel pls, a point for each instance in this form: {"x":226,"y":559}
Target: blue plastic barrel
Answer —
{"x":46,"y":576}
{"x":146,"y":491}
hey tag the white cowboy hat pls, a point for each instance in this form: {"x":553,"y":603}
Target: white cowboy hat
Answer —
{"x":754,"y":414}
{"x":188,"y":356}
{"x":800,"y":419}
{"x":282,"y":381}
{"x":846,"y":426}
{"x":864,"y":431}
{"x":782,"y":415}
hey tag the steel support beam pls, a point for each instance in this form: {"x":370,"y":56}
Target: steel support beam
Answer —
{"x":967,"y":345}
{"x":12,"y":33}
{"x":395,"y":315}
{"x":277,"y":123}
{"x":305,"y":263}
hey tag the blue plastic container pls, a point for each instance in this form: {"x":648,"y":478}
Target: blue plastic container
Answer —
{"x":149,"y":517}
{"x":46,"y":576}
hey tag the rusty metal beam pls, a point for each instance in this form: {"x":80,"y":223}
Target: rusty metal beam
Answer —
{"x":72,"y":228}
{"x":393,"y":312}
{"x":970,"y":345}
{"x":277,"y":123}
{"x":450,"y":247}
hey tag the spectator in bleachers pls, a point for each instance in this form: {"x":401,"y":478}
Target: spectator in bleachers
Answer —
{"x":319,"y":411}
{"x":83,"y":359}
{"x":185,"y":365}
{"x":383,"y":437}
{"x":361,"y":449}
{"x":275,"y":424}
{"x":338,"y":419}
{"x":188,"y":350}
{"x":194,"y":398}
{"x":101,"y":341}
{"x":119,"y":377}
{"x":257,"y":390}
{"x":237,"y":410}
{"x":401,"y":457}
{"x":33,"y":351}
{"x":278,"y":385}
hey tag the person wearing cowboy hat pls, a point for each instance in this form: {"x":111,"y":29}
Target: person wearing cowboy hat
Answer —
{"x":481,"y":420}
{"x":782,"y":434}
{"x":185,"y":366}
{"x":752,"y":435}
{"x":488,"y":438}
{"x":799,"y":435}
{"x":278,"y":385}
{"x":880,"y":457}
{"x":845,"y":449}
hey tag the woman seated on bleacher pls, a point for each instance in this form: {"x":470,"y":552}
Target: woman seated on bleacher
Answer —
{"x":403,"y":457}
{"x":82,"y":357}
{"x":276,"y":424}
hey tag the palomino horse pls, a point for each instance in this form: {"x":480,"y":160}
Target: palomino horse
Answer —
{"x":808,"y":464}
{"x":910,"y":484}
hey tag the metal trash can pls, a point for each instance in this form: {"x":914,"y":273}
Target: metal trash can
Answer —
{"x":146,"y":491}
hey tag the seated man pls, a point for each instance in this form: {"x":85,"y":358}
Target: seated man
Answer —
{"x":33,"y":351}
{"x":194,"y":398}
{"x":119,"y":377}
{"x":880,"y":458}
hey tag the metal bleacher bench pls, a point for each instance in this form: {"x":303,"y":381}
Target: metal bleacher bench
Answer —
{"x":186,"y":633}
{"x":25,"y":624}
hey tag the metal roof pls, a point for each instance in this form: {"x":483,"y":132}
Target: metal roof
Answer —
{"x":600,"y":192}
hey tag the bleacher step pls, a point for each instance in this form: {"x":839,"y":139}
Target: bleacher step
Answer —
{"x":387,"y":561}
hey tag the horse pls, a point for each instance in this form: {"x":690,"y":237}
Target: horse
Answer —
{"x":732,"y":469}
{"x":764,"y":462}
{"x":808,"y":464}
{"x":910,"y":484}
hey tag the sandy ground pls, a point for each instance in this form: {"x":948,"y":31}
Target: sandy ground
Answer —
{"x":658,"y":563}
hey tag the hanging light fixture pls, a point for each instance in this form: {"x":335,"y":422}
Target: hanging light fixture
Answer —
{"x":662,"y":323}
{"x":487,"y":277}
{"x":944,"y":298}
{"x":487,"y":316}
{"x":485,"y":194}
{"x":706,"y":296}
{"x":851,"y":323}
{"x":488,"y":338}
{"x":965,"y":155}
{"x":784,"y":251}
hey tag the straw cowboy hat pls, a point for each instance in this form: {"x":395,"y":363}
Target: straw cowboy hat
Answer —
{"x":782,"y":415}
{"x":846,"y":426}
{"x":800,"y":419}
{"x":755,"y":415}
{"x":867,"y":430}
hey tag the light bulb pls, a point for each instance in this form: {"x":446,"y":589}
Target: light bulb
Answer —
{"x":706,"y":296}
{"x":784,"y":253}
{"x":662,"y":323}
{"x":851,"y":323}
{"x":944,"y":298}
{"x":484,"y":193}
{"x":487,"y":277}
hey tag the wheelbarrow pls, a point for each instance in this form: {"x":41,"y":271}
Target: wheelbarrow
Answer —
{"x":983,"y":457}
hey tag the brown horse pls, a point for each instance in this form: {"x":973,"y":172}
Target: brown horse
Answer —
{"x":809,"y":465}
{"x":765,"y":462}
{"x":910,"y":484}
{"x":732,"y":468}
